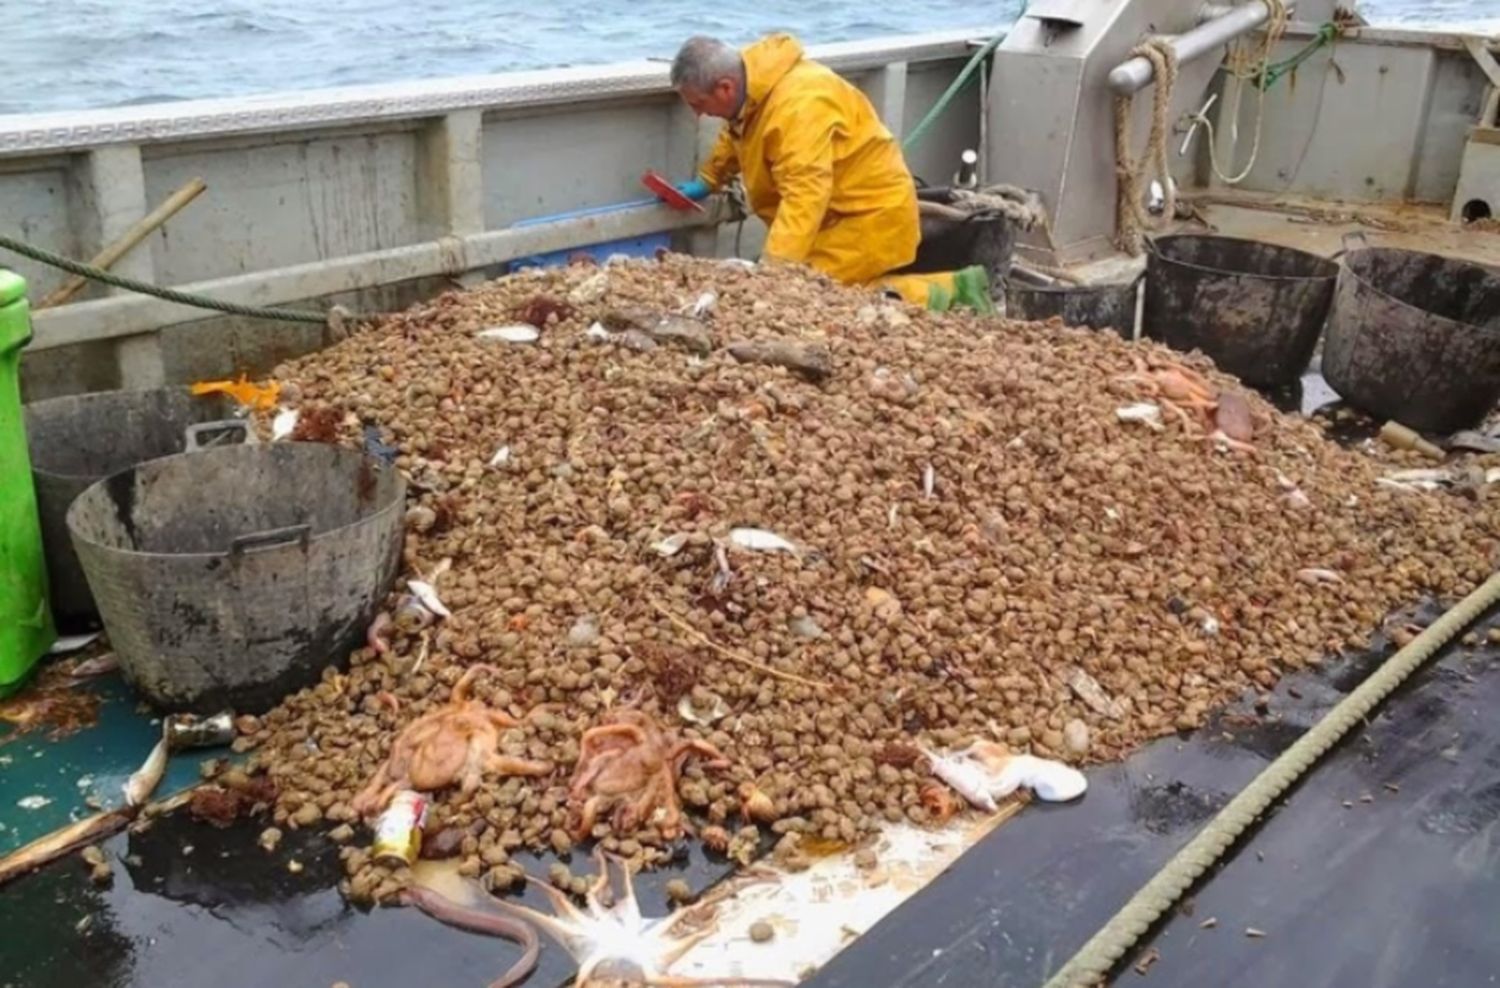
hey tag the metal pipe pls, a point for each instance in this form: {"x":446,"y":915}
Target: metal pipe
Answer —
{"x":1131,"y":76}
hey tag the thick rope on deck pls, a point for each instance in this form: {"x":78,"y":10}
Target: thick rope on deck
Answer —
{"x":1022,"y":207}
{"x":1097,"y":958}
{"x":1131,"y":218}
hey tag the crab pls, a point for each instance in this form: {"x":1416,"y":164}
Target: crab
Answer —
{"x":631,"y":763}
{"x":614,"y":944}
{"x":1207,"y":413}
{"x":1181,"y":390}
{"x":452,"y":745}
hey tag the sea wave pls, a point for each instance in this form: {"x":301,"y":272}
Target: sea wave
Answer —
{"x":88,"y":53}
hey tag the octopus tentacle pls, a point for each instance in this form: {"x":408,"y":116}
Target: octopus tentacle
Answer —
{"x":511,"y":765}
{"x":446,"y":911}
{"x":466,"y":681}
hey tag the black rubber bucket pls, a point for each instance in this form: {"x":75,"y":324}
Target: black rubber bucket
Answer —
{"x":1416,"y":338}
{"x":1110,"y":307}
{"x":78,"y":440}
{"x":951,"y":242}
{"x":1257,"y":309}
{"x":230,"y":577}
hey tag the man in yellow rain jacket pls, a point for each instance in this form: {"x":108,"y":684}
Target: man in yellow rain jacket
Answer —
{"x":818,"y":166}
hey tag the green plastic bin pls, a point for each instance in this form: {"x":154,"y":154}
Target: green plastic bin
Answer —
{"x":26,"y":630}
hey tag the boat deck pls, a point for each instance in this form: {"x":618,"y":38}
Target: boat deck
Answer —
{"x":1381,"y":868}
{"x":1319,"y":226}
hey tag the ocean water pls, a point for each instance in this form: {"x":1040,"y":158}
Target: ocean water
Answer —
{"x":75,"y":54}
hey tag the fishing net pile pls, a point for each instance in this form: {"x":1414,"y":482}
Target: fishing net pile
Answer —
{"x":821,"y":532}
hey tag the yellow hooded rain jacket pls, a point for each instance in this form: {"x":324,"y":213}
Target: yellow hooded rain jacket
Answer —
{"x":819,"y":167}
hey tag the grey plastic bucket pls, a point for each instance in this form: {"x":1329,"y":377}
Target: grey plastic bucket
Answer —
{"x":77,"y":441}
{"x":230,"y":577}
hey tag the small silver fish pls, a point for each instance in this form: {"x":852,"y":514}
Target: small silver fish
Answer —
{"x":284,"y":424}
{"x":410,"y":615}
{"x":964,"y":775}
{"x":518,"y":333}
{"x":703,"y":305}
{"x":427,"y":594}
{"x":1313,"y":576}
{"x":143,"y":782}
{"x":1143,"y":412}
{"x":97,"y":666}
{"x":72,"y":643}
{"x":760,"y":540}
{"x":1052,"y":781}
{"x":671,"y":545}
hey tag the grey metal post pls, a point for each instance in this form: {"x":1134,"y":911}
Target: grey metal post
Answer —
{"x":451,"y":189}
{"x":114,"y":180}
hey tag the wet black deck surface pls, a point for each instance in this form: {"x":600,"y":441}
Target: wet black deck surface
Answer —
{"x":1399,"y":889}
{"x":199,"y":907}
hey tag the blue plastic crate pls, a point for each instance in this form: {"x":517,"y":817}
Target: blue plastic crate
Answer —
{"x":637,"y":247}
{"x":646,"y":246}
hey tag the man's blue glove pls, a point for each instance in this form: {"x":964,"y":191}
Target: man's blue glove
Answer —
{"x":695,"y":189}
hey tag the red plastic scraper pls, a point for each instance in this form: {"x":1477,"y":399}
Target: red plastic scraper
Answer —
{"x":668,"y":193}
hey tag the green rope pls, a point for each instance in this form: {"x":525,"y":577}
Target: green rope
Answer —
{"x":1328,"y":32}
{"x":952,"y":91}
{"x":169,"y":294}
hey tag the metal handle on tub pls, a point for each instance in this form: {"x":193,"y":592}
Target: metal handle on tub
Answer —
{"x":223,"y":429}
{"x":273,"y":538}
{"x":1349,"y":240}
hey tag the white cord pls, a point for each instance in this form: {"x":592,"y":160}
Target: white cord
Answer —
{"x":1275,"y":26}
{"x":1213,"y":156}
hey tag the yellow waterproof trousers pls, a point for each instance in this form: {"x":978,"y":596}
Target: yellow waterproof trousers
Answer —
{"x":839,"y":252}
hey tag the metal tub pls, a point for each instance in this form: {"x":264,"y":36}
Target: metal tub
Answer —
{"x":1416,"y":338}
{"x":1257,"y":309}
{"x":230,"y":577}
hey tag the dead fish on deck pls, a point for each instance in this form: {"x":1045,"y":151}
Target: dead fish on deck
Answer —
{"x":72,"y":643}
{"x":99,"y":665}
{"x":986,"y":772}
{"x":1142,"y":412}
{"x":426,"y":590}
{"x":518,"y":333}
{"x":760,"y":540}
{"x":965,"y":775}
{"x":1313,"y":576}
{"x":807,"y":361}
{"x":426,"y":593}
{"x":143,"y":782}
